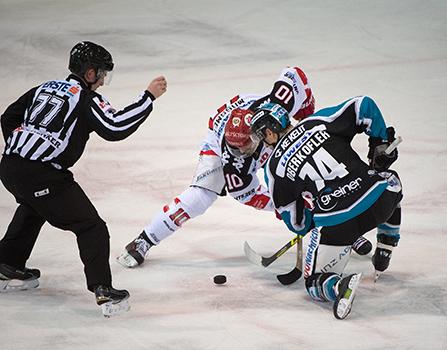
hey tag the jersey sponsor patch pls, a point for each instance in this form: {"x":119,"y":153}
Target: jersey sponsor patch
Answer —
{"x":73,"y":90}
{"x":311,"y":254}
{"x":55,"y":85}
{"x":297,"y":152}
{"x":41,"y":193}
{"x":329,"y":197}
{"x":104,"y":105}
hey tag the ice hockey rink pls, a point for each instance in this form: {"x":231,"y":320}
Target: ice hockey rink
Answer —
{"x":393,"y":51}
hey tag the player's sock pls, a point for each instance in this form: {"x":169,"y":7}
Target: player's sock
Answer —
{"x":362,"y":246}
{"x":322,"y":286}
{"x":382,"y":255}
{"x":136,"y":251}
{"x":12,"y":278}
{"x":111,"y":300}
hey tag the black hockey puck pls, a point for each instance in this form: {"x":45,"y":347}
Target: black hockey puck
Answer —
{"x":220,"y":279}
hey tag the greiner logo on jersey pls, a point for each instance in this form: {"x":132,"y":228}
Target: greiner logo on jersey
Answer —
{"x":328,"y":199}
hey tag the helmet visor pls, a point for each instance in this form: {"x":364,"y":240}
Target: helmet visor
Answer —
{"x":106,"y":75}
{"x":244,"y":151}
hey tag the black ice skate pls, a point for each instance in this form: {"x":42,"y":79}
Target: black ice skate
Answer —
{"x":12,"y":279}
{"x":382,"y":255}
{"x":111,"y":300}
{"x":135,"y":251}
{"x":347,"y":287}
{"x":362,"y":246}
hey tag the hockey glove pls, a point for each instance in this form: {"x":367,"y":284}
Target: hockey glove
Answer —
{"x":378,"y":159}
{"x":278,"y":215}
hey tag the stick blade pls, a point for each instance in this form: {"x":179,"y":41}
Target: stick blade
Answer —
{"x":290,"y":277}
{"x":251,"y":255}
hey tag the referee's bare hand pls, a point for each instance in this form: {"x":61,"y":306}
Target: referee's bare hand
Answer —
{"x":158,"y":86}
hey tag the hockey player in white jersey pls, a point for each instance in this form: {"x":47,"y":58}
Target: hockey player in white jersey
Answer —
{"x":228,"y":162}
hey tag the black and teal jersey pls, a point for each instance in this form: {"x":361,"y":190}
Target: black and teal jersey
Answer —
{"x":315,"y":159}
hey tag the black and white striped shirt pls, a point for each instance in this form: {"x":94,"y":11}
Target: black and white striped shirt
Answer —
{"x":52,"y":122}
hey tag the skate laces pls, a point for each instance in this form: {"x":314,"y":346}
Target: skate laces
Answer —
{"x":141,"y":246}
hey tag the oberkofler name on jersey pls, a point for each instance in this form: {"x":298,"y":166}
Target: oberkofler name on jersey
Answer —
{"x":298,"y":144}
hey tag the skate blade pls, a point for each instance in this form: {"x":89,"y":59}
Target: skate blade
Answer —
{"x":344,"y":305}
{"x":376,"y":275}
{"x":16,"y":285}
{"x":111,"y":308}
{"x":127,"y":260}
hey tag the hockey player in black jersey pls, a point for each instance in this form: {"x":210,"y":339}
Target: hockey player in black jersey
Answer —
{"x":45,"y":132}
{"x":350,"y":197}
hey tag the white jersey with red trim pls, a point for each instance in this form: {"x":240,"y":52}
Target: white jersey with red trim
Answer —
{"x":291,"y":90}
{"x":240,"y":174}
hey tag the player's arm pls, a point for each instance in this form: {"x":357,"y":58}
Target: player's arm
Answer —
{"x":254,"y":194}
{"x":292,"y":90}
{"x":356,"y":115}
{"x":297,"y":218}
{"x":292,"y":205}
{"x":244,"y":185}
{"x":370,"y":118}
{"x":380,"y":136}
{"x":114,"y":125}
{"x":14,"y":115}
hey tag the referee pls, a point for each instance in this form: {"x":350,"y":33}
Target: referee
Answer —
{"x":45,"y":132}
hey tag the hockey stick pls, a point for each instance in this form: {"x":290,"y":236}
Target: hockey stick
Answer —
{"x":297,"y":272}
{"x":260,"y":260}
{"x":393,"y":145}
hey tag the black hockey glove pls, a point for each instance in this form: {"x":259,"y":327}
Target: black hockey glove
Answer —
{"x":378,"y":159}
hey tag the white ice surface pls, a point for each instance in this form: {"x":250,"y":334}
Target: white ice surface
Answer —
{"x":394,"y":51}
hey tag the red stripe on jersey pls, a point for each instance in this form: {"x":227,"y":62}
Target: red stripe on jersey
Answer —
{"x":234,"y":99}
{"x":301,"y":74}
{"x":211,"y":121}
{"x":221,"y":109}
{"x":207,"y":153}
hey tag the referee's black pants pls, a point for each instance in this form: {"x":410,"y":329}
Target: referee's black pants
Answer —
{"x":47,"y":194}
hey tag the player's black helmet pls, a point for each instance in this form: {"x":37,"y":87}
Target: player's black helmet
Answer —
{"x":86,"y":55}
{"x":272,"y":116}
